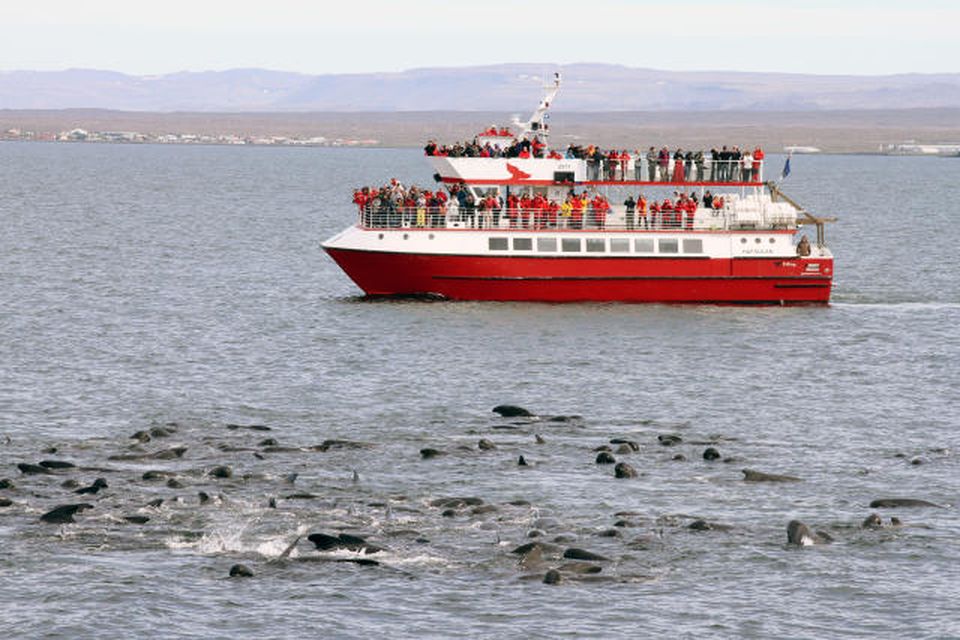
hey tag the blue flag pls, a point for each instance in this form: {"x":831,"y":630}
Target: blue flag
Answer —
{"x":786,"y":169}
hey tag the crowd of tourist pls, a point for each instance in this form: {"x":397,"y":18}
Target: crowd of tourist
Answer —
{"x":523,"y":148}
{"x":724,"y":164}
{"x":670,"y":213}
{"x":394,"y":205}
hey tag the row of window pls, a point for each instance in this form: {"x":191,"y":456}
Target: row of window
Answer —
{"x":599,"y":245}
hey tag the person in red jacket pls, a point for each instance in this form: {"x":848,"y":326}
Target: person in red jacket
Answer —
{"x":553,"y":209}
{"x":600,"y":207}
{"x":691,"y":210}
{"x":642,"y":212}
{"x":360,"y":198}
{"x":576,"y":215}
{"x":539,"y":206}
{"x":513,"y":213}
{"x":613,"y":165}
{"x":492,"y":207}
{"x":757,"y":163}
{"x":537,"y":146}
{"x":438,"y":205}
{"x":678,"y":159}
{"x":525,"y":205}
{"x":666,"y":213}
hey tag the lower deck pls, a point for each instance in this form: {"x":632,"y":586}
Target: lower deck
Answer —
{"x":596,"y":244}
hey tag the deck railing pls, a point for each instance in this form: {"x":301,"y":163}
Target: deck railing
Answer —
{"x":615,"y":219}
{"x":641,"y":170}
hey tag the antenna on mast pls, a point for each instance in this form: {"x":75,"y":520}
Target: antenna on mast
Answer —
{"x":536,"y":126}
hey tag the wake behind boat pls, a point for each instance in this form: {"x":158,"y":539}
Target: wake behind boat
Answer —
{"x":514,"y":219}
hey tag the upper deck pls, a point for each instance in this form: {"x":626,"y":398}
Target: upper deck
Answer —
{"x":625,"y":170}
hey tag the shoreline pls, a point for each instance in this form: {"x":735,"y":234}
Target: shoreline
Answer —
{"x":847,"y":132}
{"x":358,"y":145}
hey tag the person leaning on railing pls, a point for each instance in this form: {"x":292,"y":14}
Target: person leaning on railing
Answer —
{"x":592,"y":157}
{"x":438,"y":208}
{"x":630,"y":207}
{"x":746,"y":165}
{"x":651,"y":164}
{"x":726,"y":164}
{"x":614,"y":165}
{"x":678,"y":174}
{"x":576,"y":214}
{"x":758,"y":156}
{"x":642,"y":211}
{"x":687,"y":205}
{"x":663,"y":163}
{"x":566,"y":210}
{"x":600,"y":207}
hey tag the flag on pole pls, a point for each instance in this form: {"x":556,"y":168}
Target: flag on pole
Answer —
{"x":786,"y":168}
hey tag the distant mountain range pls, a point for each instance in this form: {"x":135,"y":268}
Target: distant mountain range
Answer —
{"x":508,"y":87}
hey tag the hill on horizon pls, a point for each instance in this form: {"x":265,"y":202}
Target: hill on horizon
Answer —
{"x":505,"y":87}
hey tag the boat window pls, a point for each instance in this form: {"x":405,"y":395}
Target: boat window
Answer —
{"x":523,"y":244}
{"x":546,"y":244}
{"x":570,"y":244}
{"x":692,"y":245}
{"x":596,"y":245}
{"x":669,"y":245}
{"x":497,"y":244}
{"x":643,"y":245}
{"x":620,"y":245}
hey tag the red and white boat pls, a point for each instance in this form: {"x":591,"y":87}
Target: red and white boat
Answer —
{"x":741,"y":247}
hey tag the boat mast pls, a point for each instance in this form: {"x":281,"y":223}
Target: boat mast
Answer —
{"x":536,"y":126}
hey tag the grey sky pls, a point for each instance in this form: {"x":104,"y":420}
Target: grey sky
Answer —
{"x":852,"y":36}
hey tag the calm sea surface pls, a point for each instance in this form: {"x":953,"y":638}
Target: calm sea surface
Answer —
{"x":184,"y":288}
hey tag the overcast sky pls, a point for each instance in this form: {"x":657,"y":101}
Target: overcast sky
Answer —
{"x":346,"y":36}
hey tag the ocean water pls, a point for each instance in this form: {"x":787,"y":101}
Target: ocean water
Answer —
{"x":183,"y":289}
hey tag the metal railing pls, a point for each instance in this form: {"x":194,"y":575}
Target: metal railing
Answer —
{"x":642,"y":170}
{"x":614,"y":219}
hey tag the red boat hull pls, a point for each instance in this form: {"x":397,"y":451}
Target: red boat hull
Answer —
{"x":569,"y":279}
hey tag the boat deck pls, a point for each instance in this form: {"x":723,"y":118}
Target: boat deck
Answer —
{"x":742,"y":215}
